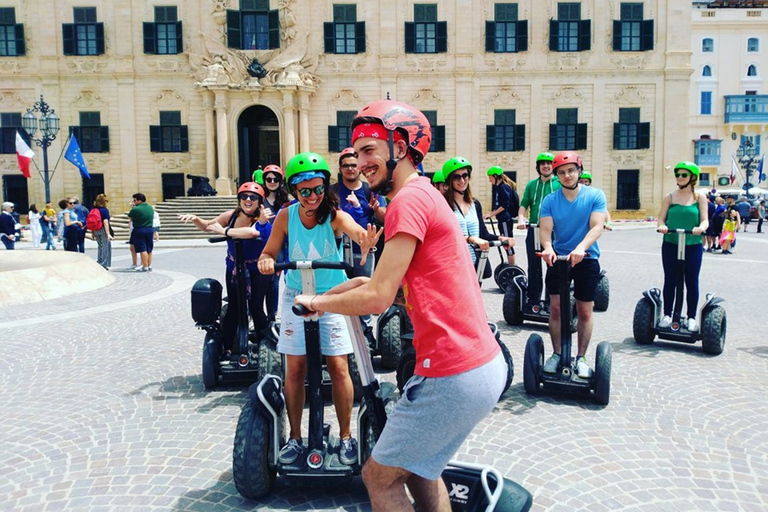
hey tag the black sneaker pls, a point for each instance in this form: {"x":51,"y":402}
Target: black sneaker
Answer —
{"x":348,"y":451}
{"x":291,"y":451}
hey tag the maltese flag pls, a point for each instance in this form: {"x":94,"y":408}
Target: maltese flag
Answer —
{"x":24,"y":155}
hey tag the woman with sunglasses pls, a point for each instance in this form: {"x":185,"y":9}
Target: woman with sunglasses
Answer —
{"x":249,"y":223}
{"x":72,"y":226}
{"x":311,"y":226}
{"x":457,"y":172}
{"x":683,"y":209}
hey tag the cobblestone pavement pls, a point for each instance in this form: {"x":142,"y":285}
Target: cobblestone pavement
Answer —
{"x":103,"y":407}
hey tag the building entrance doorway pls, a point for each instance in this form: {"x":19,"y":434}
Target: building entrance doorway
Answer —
{"x":258,"y":141}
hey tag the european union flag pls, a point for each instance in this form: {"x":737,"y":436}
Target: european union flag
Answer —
{"x":75,"y":157}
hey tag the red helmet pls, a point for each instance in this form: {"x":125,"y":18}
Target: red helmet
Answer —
{"x":252,"y":186}
{"x":274,"y":168}
{"x":407,"y":120}
{"x":346,"y":152}
{"x":566,"y":157}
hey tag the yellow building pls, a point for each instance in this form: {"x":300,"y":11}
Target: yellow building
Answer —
{"x":157,"y":89}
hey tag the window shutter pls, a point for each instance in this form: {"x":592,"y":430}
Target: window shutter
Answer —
{"x":360,"y":37}
{"x":439,"y":133}
{"x":442,"y":36}
{"x":234,"y":29}
{"x":184,"y":130}
{"x":155,"y":141}
{"x":519,"y":138}
{"x":553,"y":28}
{"x":333,"y":139}
{"x":99,"y":39}
{"x":490,"y":137}
{"x":104,"y":138}
{"x":68,"y":38}
{"x":328,"y":37}
{"x":646,"y":35}
{"x":616,"y":135}
{"x":76,"y":131}
{"x":21,"y":48}
{"x":644,"y":136}
{"x":585,"y":35}
{"x":149,"y":38}
{"x":490,"y":36}
{"x":179,"y":38}
{"x":553,"y":137}
{"x":581,"y":136}
{"x":410,"y":37}
{"x":274,"y":28}
{"x":617,"y":35}
{"x":522,"y":36}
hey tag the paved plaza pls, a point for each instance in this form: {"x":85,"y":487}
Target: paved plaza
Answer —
{"x":103,"y":406}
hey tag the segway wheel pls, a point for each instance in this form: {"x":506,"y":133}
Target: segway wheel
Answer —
{"x":510,"y":366}
{"x":391,"y":346}
{"x":371,"y":433}
{"x":603,"y":294}
{"x":713,"y":331}
{"x":250,"y":456}
{"x":642,"y":322}
{"x":506,"y":275}
{"x":603,"y":360}
{"x":406,"y":367}
{"x":533,"y":361}
{"x":270,"y":360}
{"x":574,"y":315}
{"x":497,"y":270}
{"x":354,"y":373}
{"x":513,"y":315}
{"x":210,"y":362}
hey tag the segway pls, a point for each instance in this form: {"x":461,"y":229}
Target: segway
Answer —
{"x":649,"y":311}
{"x":254,"y":354}
{"x":566,"y":378}
{"x":504,"y":272}
{"x":516,"y":307}
{"x":260,"y":431}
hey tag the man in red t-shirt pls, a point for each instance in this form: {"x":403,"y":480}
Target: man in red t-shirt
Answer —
{"x":460,"y":372}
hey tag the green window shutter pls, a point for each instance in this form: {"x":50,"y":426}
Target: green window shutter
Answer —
{"x":184,"y":129}
{"x":490,"y":137}
{"x":490,"y":36}
{"x":99,"y":39}
{"x":150,"y":46}
{"x":77,"y":132}
{"x":333,"y":138}
{"x":234,"y":29}
{"x":21,"y":45}
{"x":438,"y":132}
{"x":617,"y":35}
{"x":179,"y":38}
{"x":104,"y":138}
{"x":442,"y":36}
{"x":519,"y":138}
{"x":68,"y":38}
{"x":360,"y":37}
{"x":553,"y":137}
{"x":155,"y":145}
{"x":616,"y":135}
{"x":410,"y":37}
{"x":585,"y":35}
{"x":581,"y":136}
{"x":274,"y":28}
{"x":646,"y":35}
{"x":644,"y":136}
{"x":553,"y":28}
{"x":328,"y":37}
{"x":522,"y":36}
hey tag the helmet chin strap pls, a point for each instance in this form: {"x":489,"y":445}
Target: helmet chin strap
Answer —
{"x":690,"y":180}
{"x":570,"y":188}
{"x":391,"y":164}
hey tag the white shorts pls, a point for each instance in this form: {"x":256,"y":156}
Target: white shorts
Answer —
{"x":334,"y":335}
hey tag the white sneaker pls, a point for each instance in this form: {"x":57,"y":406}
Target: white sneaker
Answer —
{"x":692,"y":325}
{"x":582,"y":368}
{"x":664,"y":323}
{"x":552,"y":364}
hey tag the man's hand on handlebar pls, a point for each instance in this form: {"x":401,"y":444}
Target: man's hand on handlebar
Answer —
{"x":478,"y":242}
{"x":549,"y":256}
{"x":522,"y":224}
{"x":306,"y":301}
{"x":510,"y":242}
{"x":576,"y":257}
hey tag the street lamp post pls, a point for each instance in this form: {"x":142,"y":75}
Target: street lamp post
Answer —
{"x":49,"y":129}
{"x":747,"y":157}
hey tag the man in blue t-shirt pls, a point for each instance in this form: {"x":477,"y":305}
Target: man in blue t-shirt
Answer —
{"x":571,"y":221}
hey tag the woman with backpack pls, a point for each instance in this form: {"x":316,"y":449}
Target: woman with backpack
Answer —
{"x":98,"y":222}
{"x":504,"y":204}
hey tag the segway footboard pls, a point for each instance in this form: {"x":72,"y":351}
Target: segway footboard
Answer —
{"x":475,"y":488}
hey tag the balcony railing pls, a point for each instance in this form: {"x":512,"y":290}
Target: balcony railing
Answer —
{"x":746,"y":109}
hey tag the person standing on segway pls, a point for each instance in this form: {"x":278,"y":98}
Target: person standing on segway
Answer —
{"x":248,"y":222}
{"x":457,"y":358}
{"x":571,"y":221}
{"x":273,"y":178}
{"x":683,"y":209}
{"x":534,"y":193}
{"x":504,"y":203}
{"x":311,"y":225}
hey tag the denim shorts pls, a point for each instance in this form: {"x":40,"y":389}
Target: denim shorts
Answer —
{"x":585,"y":276}
{"x":334,"y":335}
{"x":435,"y":415}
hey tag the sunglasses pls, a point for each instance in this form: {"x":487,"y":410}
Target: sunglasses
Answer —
{"x":681,"y":175}
{"x":349,"y":166}
{"x":248,"y":197}
{"x":272,"y":180}
{"x":306,"y":192}
{"x":457,"y":177}
{"x":70,"y":202}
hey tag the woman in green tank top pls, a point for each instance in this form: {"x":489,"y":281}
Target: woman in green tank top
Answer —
{"x":683,"y":209}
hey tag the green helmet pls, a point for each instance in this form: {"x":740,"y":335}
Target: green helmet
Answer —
{"x":306,"y":162}
{"x":585,"y":175}
{"x":688,"y":166}
{"x":495,"y":171}
{"x":438,"y":177}
{"x":454,"y":164}
{"x":258,"y":176}
{"x":545,"y":157}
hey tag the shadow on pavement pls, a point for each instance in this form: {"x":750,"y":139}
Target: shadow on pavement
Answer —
{"x":631,"y":347}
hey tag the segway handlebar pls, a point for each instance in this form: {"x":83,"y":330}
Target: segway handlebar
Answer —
{"x":679,"y":231}
{"x":217,"y":239}
{"x":494,"y":243}
{"x":298,"y":265}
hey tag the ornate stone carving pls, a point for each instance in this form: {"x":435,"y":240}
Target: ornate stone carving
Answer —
{"x":347,"y":97}
{"x":220,"y":12}
{"x":630,"y":95}
{"x":163,"y":65}
{"x":505,"y":97}
{"x":10,"y":100}
{"x":87,"y":65}
{"x":87,"y":99}
{"x":168,"y":99}
{"x":337,"y":64}
{"x":10,"y":66}
{"x":501,"y":62}
{"x":629,"y":158}
{"x":287,"y":21}
{"x":567,"y":96}
{"x":567,"y":60}
{"x":172,"y":161}
{"x":426,"y":63}
{"x":634,"y":61}
{"x":426,"y":98}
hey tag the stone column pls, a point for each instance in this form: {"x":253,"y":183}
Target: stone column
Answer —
{"x":223,"y":181}
{"x":290,"y":129}
{"x":304,"y":144}
{"x":210,"y":137}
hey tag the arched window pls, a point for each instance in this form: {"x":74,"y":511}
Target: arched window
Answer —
{"x":752,"y":70}
{"x":706,"y":71}
{"x":753,"y":44}
{"x":707,"y":45}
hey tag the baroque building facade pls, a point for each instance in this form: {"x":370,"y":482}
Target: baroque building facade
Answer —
{"x":157,"y":90}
